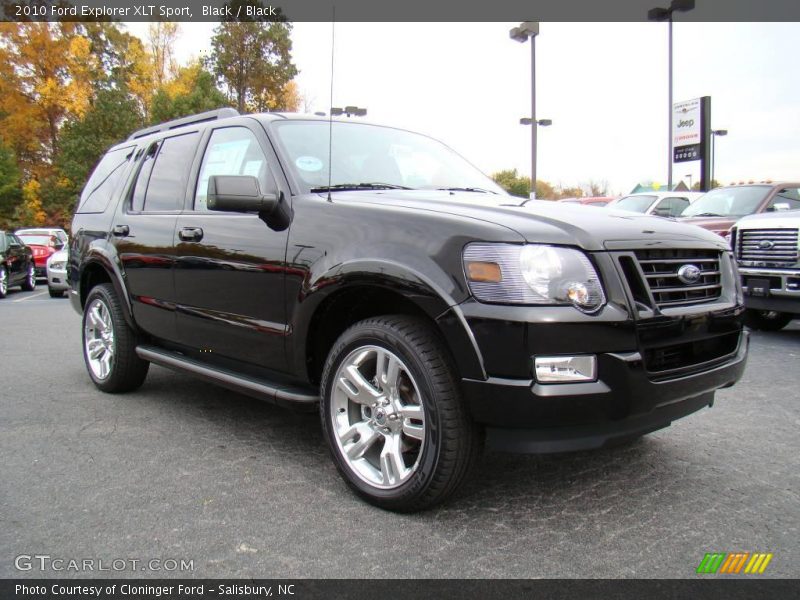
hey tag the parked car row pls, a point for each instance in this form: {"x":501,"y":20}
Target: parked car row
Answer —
{"x":30,"y":254}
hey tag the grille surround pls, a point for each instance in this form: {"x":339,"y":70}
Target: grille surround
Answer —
{"x":784,"y":249}
{"x":660,"y":270}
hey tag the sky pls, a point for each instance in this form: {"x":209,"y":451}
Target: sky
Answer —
{"x":604,"y":86}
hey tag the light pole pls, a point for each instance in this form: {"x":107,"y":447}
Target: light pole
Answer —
{"x":530,"y":29}
{"x":665,"y":14}
{"x":714,"y":134}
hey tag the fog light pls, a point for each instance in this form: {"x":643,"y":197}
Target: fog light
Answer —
{"x":565,"y":369}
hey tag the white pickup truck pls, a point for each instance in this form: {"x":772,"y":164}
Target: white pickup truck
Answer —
{"x":766,"y":249}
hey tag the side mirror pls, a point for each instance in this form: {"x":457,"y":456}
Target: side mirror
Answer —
{"x":781,"y":206}
{"x":238,"y":193}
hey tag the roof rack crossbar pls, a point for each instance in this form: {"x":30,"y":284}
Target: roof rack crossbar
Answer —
{"x":211,"y":115}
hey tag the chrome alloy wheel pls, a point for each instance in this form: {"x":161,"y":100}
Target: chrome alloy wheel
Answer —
{"x":378,"y":417}
{"x":3,"y":281}
{"x":98,"y":338}
{"x":31,"y":276}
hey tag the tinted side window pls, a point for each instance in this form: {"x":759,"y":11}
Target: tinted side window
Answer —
{"x":103,"y":181}
{"x":140,"y":187}
{"x":167,"y":186}
{"x":230,"y":151}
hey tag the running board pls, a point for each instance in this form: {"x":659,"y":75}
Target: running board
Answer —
{"x":282,"y":394}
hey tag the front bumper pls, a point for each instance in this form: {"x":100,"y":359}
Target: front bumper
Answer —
{"x":625,"y":402}
{"x":771,"y":289}
{"x":57,"y":280}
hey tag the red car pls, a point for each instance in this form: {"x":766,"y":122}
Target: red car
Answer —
{"x":42,"y":247}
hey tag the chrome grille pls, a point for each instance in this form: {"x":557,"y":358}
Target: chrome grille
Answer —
{"x":767,"y":245}
{"x":660,"y":268}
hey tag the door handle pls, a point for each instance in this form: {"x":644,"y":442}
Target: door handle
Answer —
{"x":121,"y":230}
{"x":191,"y":234}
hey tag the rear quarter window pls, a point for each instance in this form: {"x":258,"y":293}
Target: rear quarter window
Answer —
{"x":104,"y":180}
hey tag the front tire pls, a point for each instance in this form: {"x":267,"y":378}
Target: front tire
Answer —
{"x":767,"y":320}
{"x":55,"y":293}
{"x":30,"y":280}
{"x":109,"y":343}
{"x":393,"y":415}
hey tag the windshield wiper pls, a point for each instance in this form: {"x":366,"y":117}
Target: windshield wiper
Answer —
{"x":466,"y":189}
{"x":374,"y":185}
{"x":707,"y":214}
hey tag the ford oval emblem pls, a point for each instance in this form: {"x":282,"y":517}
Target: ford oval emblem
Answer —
{"x":766,"y":245}
{"x":689,"y":274}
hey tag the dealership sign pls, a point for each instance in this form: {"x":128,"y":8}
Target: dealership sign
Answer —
{"x":687,"y":129}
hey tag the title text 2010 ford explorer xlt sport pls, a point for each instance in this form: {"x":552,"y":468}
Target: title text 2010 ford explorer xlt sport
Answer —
{"x":421,"y":306}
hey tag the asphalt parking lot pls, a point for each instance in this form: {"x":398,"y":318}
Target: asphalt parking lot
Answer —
{"x":184,"y":470}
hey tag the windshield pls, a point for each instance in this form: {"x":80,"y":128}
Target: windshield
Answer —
{"x":638,"y":204}
{"x":38,"y":240}
{"x":374,"y":157}
{"x":727,"y":202}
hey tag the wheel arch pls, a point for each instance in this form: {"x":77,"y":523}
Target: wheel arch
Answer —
{"x":355,"y":294}
{"x":98,"y":269}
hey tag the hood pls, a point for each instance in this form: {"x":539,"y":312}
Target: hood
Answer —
{"x":710,"y":223}
{"x":539,"y":221}
{"x":777,"y":220}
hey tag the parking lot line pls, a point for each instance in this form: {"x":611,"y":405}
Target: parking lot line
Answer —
{"x":29,"y":297}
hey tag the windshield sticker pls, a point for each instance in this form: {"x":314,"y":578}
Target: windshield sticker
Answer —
{"x":308,"y":163}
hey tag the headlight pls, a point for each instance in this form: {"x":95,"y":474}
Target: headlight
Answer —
{"x":57,"y":266}
{"x":532,"y":274}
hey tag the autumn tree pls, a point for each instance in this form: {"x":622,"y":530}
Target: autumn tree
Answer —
{"x":518,"y":185}
{"x":192,"y":91}
{"x":161,"y":42}
{"x":47,"y":78}
{"x":252,"y":58}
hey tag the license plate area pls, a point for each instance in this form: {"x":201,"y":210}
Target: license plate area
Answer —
{"x":758,"y":287}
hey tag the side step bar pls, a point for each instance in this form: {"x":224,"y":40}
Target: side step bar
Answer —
{"x":282,"y":394}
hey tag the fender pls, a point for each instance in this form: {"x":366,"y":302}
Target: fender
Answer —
{"x":99,"y":254}
{"x":422,"y":291}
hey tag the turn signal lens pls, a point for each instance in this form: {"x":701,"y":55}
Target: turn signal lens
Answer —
{"x":486,"y":272}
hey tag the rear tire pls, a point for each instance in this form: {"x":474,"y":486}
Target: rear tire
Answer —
{"x":30,"y":281}
{"x":393,"y":415}
{"x":109,"y":343}
{"x":767,"y":320}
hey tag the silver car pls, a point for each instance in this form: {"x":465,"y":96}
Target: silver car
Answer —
{"x":57,"y":274}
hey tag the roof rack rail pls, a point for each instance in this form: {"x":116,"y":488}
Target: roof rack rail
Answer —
{"x":211,"y":115}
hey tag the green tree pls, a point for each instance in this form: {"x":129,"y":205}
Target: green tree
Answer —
{"x":10,"y":184}
{"x":192,"y":91}
{"x":112,"y":117}
{"x":252,"y":58}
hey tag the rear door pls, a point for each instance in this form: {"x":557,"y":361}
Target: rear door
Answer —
{"x":229,"y":275}
{"x":144,"y":230}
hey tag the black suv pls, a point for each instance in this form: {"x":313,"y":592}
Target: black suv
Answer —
{"x":375,"y":273}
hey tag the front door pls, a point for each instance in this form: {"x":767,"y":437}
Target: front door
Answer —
{"x":229,"y":276}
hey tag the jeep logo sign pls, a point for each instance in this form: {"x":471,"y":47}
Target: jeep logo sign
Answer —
{"x":686,"y":130}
